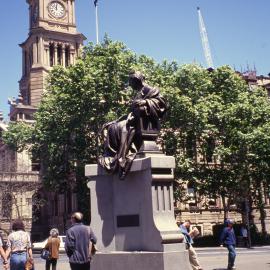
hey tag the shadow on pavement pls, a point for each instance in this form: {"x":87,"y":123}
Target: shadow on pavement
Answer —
{"x":220,"y":269}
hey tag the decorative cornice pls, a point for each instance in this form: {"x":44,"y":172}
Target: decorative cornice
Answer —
{"x":43,"y":32}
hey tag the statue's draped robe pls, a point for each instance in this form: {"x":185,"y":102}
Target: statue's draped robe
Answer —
{"x":123,"y":137}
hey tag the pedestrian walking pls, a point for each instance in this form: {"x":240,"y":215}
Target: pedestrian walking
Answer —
{"x":79,"y":239}
{"x":189,"y":235}
{"x":3,"y":254}
{"x":18,"y":246}
{"x":228,"y":240}
{"x":52,"y":246}
{"x":244,"y":234}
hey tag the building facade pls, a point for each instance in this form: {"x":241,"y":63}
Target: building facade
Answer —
{"x":52,"y":40}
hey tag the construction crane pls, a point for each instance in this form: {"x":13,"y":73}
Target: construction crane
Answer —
{"x":205,"y":42}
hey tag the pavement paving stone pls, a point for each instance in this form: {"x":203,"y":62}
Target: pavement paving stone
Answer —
{"x":211,"y":259}
{"x":249,"y":260}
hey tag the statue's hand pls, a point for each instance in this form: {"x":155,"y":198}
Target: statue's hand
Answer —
{"x":130,"y":117}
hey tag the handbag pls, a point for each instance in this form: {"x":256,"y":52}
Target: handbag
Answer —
{"x":29,"y":264}
{"x":92,"y":249}
{"x":45,"y":254}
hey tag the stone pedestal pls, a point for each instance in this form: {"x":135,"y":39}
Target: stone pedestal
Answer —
{"x":133,"y":219}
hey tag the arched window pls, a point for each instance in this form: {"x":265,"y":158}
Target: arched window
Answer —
{"x":210,"y":149}
{"x":6,"y":205}
{"x":35,"y":162}
{"x":59,"y":54}
{"x":192,"y":201}
{"x":212,"y":202}
{"x":191,"y":191}
{"x":67,"y":56}
{"x":51,"y":52}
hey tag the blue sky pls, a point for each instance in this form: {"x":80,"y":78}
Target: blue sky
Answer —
{"x":238,"y":32}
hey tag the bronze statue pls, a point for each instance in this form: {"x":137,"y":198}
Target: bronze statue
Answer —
{"x":126,"y":135}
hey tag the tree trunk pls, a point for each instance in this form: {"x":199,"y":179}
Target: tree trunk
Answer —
{"x":262,"y":212}
{"x":247,"y":213}
{"x":226,"y":212}
{"x":262,"y":219}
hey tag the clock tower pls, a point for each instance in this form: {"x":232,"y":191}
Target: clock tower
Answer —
{"x":52,"y":40}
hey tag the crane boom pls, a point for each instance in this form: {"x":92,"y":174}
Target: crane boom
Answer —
{"x":205,"y":42}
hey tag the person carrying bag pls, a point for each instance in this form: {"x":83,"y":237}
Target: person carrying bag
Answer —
{"x":189,"y":235}
{"x":52,"y":246}
{"x":19,"y":248}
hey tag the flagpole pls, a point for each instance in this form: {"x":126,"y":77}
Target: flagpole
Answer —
{"x":96,"y":7}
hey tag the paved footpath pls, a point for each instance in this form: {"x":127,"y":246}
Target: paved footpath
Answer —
{"x":62,"y":264}
{"x":257,"y":258}
{"x":247,"y":259}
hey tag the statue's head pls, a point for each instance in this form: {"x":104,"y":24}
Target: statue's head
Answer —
{"x":136,"y":79}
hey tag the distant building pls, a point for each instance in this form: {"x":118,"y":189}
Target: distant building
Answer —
{"x":253,"y":80}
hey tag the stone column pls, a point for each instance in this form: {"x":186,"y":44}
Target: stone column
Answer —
{"x":72,"y":60}
{"x":35,"y":53}
{"x":73,"y":12}
{"x":40,"y":51}
{"x":41,"y":9}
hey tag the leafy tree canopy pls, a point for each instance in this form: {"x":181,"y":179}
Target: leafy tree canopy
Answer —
{"x":216,"y":127}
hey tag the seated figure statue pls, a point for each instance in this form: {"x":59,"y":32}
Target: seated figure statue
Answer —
{"x":125,"y":136}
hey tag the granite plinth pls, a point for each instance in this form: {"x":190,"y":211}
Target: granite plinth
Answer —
{"x":141,"y":261}
{"x":133,"y":219}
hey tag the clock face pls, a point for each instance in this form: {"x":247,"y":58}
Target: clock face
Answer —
{"x":56,"y":9}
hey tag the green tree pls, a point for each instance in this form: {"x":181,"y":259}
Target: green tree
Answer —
{"x":78,"y":101}
{"x":214,"y":130}
{"x":19,"y":136}
{"x":216,"y":127}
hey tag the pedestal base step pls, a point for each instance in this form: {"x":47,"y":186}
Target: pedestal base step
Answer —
{"x":141,"y":261}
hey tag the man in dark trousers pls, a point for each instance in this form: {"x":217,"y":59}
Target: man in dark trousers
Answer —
{"x":228,"y":240}
{"x":78,"y":243}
